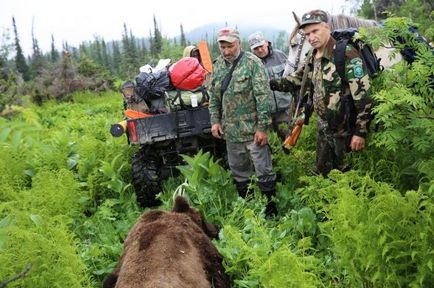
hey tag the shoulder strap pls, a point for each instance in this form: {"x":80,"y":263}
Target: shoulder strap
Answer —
{"x":339,"y":57}
{"x":228,"y":76}
{"x":347,"y":99}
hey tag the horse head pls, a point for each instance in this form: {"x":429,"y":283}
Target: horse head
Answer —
{"x":296,"y":47}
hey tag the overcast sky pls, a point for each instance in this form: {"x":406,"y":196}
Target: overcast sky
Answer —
{"x":76,"y":21}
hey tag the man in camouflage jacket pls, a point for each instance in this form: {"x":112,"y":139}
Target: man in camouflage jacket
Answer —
{"x":324,"y":89}
{"x":241,"y":115}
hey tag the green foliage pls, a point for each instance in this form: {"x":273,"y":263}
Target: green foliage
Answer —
{"x":285,"y":269}
{"x":35,"y":230}
{"x":420,"y":11}
{"x":51,"y":179}
{"x":171,"y":51}
{"x":208,"y":186}
{"x":381,"y":238}
{"x":403,"y":111}
{"x":103,"y":233}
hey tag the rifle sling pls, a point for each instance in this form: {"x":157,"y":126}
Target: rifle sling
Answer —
{"x":303,"y":86}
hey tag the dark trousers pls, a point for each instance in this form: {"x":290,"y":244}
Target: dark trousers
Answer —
{"x":330,"y":149}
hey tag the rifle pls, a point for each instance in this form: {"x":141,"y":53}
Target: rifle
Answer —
{"x":296,"y":121}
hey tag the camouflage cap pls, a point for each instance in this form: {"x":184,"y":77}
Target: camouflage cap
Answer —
{"x":313,"y":17}
{"x":228,"y":35}
{"x":256,"y":39}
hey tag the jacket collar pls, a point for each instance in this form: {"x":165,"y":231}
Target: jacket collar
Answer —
{"x":329,"y":48}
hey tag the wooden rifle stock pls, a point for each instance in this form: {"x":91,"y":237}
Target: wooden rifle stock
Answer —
{"x":292,"y":138}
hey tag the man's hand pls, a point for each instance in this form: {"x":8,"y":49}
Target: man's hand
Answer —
{"x":357,"y":143}
{"x":217,"y":131}
{"x":261,"y":138}
{"x":274,"y":84}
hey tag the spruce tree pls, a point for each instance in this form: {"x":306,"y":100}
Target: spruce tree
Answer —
{"x":129,"y":56}
{"x":116,"y":64}
{"x":37,"y":59}
{"x":183,"y":40}
{"x":133,"y":47}
{"x":151,"y":43}
{"x":54,"y":54}
{"x":157,"y":43}
{"x":20,"y":60}
{"x":143,"y":51}
{"x":97,"y":52}
{"x":105,"y":56}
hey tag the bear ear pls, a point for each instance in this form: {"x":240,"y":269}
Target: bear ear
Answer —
{"x":181,"y":205}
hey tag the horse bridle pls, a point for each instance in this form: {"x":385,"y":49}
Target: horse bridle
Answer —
{"x":300,"y":48}
{"x":294,"y":65}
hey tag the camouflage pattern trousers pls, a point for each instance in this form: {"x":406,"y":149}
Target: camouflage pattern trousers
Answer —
{"x":330,"y":149}
{"x":245,"y":156}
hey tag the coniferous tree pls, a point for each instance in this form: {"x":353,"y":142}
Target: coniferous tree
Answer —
{"x":129,"y":56}
{"x":105,"y":56}
{"x":116,"y":63}
{"x":157,"y":43}
{"x":37,"y":59}
{"x":75,"y":54}
{"x":183,"y":41}
{"x":151,"y":43}
{"x":82,"y":50}
{"x":54,"y":54}
{"x":97,"y":51}
{"x":133,"y":46}
{"x":281,"y":42}
{"x":143,"y":52}
{"x":20,"y":60}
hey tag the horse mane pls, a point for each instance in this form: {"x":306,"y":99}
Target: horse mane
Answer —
{"x":292,"y":39}
{"x":343,"y":21}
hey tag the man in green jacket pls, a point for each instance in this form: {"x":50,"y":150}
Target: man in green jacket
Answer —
{"x":241,"y":114}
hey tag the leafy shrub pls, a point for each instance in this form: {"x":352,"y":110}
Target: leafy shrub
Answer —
{"x":380,"y":237}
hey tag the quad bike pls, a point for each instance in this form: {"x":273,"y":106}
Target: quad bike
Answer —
{"x":178,"y":125}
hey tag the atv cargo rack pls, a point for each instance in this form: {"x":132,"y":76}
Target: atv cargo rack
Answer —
{"x":161,"y":127}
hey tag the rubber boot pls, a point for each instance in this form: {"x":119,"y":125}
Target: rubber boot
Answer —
{"x":269,"y":189}
{"x":242,"y":188}
{"x":270,"y":209}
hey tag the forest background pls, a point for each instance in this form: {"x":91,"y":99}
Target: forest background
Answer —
{"x":97,"y":64}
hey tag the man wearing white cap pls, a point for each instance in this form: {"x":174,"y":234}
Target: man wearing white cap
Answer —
{"x":275,"y":61}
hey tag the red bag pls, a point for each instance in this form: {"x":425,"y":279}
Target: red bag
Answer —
{"x":187,"y":74}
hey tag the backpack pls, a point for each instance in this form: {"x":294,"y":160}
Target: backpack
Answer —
{"x":408,"y":52}
{"x":187,"y":74}
{"x":152,"y":86}
{"x":344,"y":37}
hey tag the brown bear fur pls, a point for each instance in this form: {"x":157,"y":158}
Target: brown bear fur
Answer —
{"x":170,"y":249}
